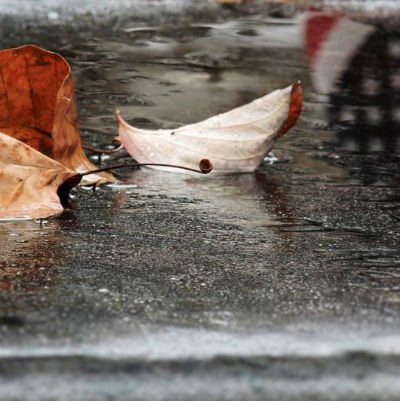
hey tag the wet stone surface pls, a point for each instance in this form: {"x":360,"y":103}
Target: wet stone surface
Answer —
{"x":282,"y":284}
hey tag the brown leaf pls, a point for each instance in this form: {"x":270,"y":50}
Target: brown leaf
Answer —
{"x":37,"y":106}
{"x":31,"y":184}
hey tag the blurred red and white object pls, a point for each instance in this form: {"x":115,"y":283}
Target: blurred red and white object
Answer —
{"x":331,"y":40}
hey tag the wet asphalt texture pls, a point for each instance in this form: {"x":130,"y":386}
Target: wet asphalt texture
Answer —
{"x":278,"y":285}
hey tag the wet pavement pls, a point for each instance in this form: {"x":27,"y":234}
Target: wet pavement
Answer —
{"x":282,"y":284}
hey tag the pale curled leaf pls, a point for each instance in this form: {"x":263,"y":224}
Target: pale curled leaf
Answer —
{"x":37,"y":106}
{"x":30,"y":182}
{"x":235,"y":141}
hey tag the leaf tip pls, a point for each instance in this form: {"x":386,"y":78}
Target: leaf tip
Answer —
{"x":205,"y":166}
{"x":118,"y":117}
{"x":296,"y":103}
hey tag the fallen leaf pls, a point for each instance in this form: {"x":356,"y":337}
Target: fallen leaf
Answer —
{"x":235,"y":141}
{"x":37,"y":106}
{"x":31,"y":184}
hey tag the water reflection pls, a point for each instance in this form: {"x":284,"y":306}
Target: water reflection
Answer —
{"x":356,"y":64}
{"x":192,"y":235}
{"x":30,"y":252}
{"x":253,"y":197}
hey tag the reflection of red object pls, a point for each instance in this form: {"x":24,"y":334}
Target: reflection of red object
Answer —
{"x":317,"y":30}
{"x":331,"y":41}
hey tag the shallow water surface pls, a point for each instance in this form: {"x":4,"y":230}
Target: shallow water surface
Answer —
{"x":282,"y":284}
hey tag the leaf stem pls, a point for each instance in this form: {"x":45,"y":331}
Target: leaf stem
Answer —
{"x":205,"y":167}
